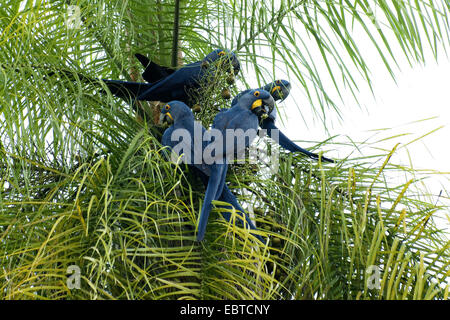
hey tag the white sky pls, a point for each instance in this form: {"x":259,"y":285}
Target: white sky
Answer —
{"x":421,"y":92}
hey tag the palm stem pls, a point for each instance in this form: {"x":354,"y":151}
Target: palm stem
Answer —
{"x":176,"y":27}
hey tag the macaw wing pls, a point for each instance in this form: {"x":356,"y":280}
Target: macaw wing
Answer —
{"x":238,"y":129}
{"x":142,"y":59}
{"x":178,"y":147}
{"x":286,"y":143}
{"x":153,"y":72}
{"x":126,"y":90}
{"x":166,"y":138}
{"x":182,"y":144}
{"x":218,"y":120}
{"x":173,"y":86}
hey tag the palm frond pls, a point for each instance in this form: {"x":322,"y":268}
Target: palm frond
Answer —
{"x":84,"y":182}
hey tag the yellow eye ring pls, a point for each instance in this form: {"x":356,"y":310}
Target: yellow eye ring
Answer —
{"x":256,"y":94}
{"x":221,"y":53}
{"x":278,"y":81}
{"x":167,"y":107}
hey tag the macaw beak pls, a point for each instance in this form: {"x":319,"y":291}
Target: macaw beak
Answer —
{"x":236,"y":66}
{"x":256,"y":104}
{"x":165,"y":118}
{"x":257,"y":108}
{"x":232,"y":66}
{"x":269,"y":104}
{"x":262,"y":107}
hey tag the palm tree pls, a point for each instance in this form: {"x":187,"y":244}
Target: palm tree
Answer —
{"x":84,"y":183}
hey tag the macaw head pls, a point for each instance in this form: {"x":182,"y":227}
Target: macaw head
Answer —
{"x":174,"y":111}
{"x":231,"y":60}
{"x":260,"y":102}
{"x":279,"y":89}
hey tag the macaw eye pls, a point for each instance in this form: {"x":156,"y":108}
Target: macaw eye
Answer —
{"x":278,"y":81}
{"x":221,"y":53}
{"x":167,"y":107}
{"x":256,"y":94}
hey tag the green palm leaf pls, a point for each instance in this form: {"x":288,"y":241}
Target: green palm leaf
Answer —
{"x":84,"y":182}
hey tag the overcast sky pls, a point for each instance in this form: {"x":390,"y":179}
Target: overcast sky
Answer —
{"x":421,"y":92}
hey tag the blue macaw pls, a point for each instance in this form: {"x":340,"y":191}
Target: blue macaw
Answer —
{"x":212,"y":175}
{"x":243,"y":115}
{"x":279,"y":90}
{"x":242,"y":121}
{"x":171,"y":84}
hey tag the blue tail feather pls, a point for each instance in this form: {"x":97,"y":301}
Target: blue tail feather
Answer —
{"x":286,"y":143}
{"x":126,"y":90}
{"x":228,"y":196}
{"x":214,"y":183}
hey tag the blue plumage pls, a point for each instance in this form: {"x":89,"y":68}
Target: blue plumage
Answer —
{"x":250,"y":109}
{"x":170,"y":84}
{"x":279,"y":90}
{"x":191,"y":144}
{"x":242,"y":122}
{"x":229,"y":197}
{"x":243,"y":116}
{"x":153,"y":72}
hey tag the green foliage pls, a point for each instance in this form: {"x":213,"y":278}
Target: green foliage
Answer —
{"x":84,"y":182}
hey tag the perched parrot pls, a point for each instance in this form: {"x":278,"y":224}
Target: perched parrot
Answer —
{"x":242,"y":122}
{"x":192,"y":147}
{"x":279,"y":90}
{"x":170,"y":84}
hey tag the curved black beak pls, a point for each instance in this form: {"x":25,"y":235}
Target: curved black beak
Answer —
{"x":280,"y":92}
{"x":236,"y":66}
{"x":269,"y":104}
{"x":165,"y":118}
{"x":258,"y":108}
{"x":260,"y":112}
{"x":231,"y":64}
{"x":263,"y":107}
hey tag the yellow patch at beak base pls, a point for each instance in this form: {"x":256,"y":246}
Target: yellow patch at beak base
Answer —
{"x":275,"y":88}
{"x":257,"y":103}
